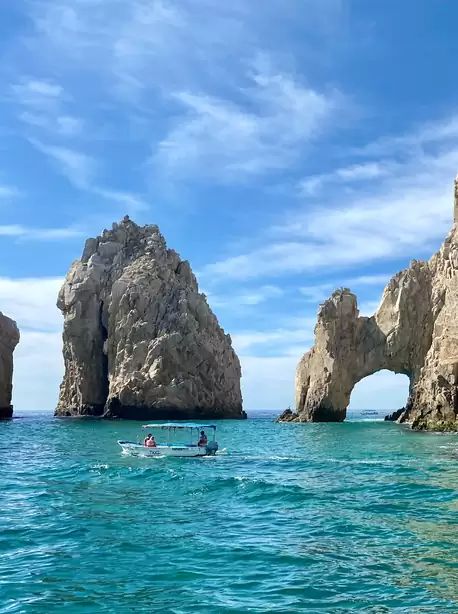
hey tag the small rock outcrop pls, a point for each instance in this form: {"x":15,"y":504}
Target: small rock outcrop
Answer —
{"x":140,"y":341}
{"x":414,"y":331}
{"x":9,"y":338}
{"x":393,"y":417}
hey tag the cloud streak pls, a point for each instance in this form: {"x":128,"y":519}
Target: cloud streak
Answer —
{"x":277,"y":118}
{"x":407,"y":212}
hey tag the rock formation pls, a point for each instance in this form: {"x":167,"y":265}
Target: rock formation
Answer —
{"x":9,"y":338}
{"x":140,"y":341}
{"x":414,"y":331}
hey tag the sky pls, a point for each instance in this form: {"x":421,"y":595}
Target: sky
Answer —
{"x":285,"y":148}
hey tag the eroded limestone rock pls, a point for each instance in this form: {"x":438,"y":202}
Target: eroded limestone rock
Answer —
{"x":414,"y":331}
{"x":140,"y":341}
{"x":9,"y":338}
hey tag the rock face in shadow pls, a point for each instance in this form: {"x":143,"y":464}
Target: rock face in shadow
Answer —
{"x":414,"y":331}
{"x":140,"y":341}
{"x":9,"y":338}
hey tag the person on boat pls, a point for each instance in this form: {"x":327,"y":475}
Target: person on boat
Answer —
{"x":151,"y":442}
{"x":203,"y":439}
{"x":147,"y":438}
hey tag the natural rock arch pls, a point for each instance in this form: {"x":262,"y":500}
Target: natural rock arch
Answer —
{"x":414,"y":331}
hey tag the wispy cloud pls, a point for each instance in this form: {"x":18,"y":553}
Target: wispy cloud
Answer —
{"x":405,"y":213}
{"x":81,"y":169}
{"x":244,"y":113}
{"x":315,"y":293}
{"x":77,"y":167}
{"x":31,"y":233}
{"x":249,"y":297}
{"x":293,"y":332}
{"x":32,"y":302}
{"x":7,"y":192}
{"x":348,"y":174}
{"x":37,"y":93}
{"x":267,"y":131}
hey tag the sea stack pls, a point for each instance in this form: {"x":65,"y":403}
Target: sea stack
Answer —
{"x":9,"y":338}
{"x":414,"y":331}
{"x":140,"y":341}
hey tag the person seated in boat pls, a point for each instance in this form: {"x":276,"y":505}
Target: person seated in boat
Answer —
{"x":203,"y":439}
{"x":149,"y":442}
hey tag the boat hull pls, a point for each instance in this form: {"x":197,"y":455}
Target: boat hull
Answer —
{"x":136,"y":449}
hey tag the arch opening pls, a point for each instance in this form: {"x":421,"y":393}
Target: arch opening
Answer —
{"x":383,"y":392}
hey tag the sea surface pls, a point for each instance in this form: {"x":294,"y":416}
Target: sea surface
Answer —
{"x":326,"y":518}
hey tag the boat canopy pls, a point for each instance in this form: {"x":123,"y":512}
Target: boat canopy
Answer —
{"x":180,"y":425}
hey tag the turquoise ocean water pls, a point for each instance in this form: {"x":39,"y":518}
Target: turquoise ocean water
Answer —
{"x":328,"y":518}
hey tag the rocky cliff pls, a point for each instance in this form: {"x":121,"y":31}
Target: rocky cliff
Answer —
{"x":414,"y":331}
{"x":140,"y":341}
{"x":9,"y":338}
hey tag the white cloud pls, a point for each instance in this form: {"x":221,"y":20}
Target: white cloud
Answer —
{"x":315,"y":293}
{"x":268,"y":381}
{"x":249,"y":297}
{"x":294,"y":332}
{"x":406,"y":213}
{"x":216,"y":137}
{"x":130,"y":201}
{"x":77,"y":167}
{"x":80,"y":170}
{"x":39,"y":234}
{"x":8,"y":192}
{"x":32,"y":302}
{"x":38,"y":364}
{"x":311,"y":186}
{"x":67,"y":125}
{"x":37,"y":93}
{"x":38,"y":371}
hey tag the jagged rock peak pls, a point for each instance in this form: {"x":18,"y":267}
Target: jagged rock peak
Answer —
{"x":140,"y":341}
{"x":9,"y":338}
{"x":414,"y":331}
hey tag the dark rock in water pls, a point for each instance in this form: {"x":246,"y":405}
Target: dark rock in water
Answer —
{"x":287,"y":416}
{"x":140,"y":341}
{"x":6,"y":412}
{"x":395,"y":415}
{"x":9,"y":338}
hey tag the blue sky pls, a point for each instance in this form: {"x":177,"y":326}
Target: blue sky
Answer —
{"x":284,"y":147}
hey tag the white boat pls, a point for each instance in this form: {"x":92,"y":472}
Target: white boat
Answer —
{"x":169,"y":448}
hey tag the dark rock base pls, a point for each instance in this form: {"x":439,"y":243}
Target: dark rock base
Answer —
{"x":6,"y":412}
{"x":115,"y":410}
{"x":95,"y":411}
{"x":318,"y":414}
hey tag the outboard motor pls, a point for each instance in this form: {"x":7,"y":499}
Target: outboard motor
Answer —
{"x":211,"y":448}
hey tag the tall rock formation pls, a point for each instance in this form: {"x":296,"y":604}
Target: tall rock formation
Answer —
{"x":140,"y":341}
{"x":9,"y":338}
{"x":414,"y":331}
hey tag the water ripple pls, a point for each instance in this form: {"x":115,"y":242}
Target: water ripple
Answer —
{"x":336,"y":518}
